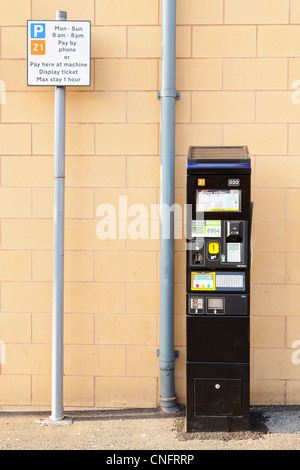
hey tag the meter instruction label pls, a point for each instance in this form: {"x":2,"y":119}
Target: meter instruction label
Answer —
{"x":58,"y":53}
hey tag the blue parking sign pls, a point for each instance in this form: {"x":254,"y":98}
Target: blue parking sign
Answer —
{"x":38,"y":30}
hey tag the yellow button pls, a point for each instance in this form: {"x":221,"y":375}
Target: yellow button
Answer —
{"x":213,"y":248}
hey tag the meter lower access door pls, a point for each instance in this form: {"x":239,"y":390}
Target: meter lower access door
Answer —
{"x":218,"y":288}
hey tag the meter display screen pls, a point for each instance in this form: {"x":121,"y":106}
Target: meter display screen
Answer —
{"x":219,"y":200}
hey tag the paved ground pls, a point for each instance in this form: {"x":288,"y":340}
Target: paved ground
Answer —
{"x":272,"y":428}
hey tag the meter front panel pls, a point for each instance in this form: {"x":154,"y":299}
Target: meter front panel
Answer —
{"x":218,"y":230}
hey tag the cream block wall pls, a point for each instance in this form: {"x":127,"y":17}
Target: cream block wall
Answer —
{"x":238,"y":72}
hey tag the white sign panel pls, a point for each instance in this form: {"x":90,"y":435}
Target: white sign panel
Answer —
{"x":58,"y":53}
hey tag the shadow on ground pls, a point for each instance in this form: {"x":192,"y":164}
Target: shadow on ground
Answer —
{"x":263,"y":420}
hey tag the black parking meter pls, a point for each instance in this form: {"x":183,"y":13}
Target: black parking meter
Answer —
{"x":218,"y":235}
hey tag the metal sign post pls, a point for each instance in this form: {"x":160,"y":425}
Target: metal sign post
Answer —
{"x":59,"y":54}
{"x":58,"y":247}
{"x":58,"y":253}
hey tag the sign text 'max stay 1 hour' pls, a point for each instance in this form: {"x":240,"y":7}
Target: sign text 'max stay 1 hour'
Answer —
{"x":58,"y":53}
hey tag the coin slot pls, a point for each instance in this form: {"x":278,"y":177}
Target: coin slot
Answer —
{"x":196,"y":305}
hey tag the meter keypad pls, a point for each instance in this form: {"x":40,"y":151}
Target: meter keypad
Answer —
{"x":233,"y":252}
{"x":229,"y":281}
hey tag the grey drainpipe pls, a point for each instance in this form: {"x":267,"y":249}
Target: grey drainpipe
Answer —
{"x":167,"y":95}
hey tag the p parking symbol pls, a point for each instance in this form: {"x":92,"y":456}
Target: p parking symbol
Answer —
{"x":38,"y":30}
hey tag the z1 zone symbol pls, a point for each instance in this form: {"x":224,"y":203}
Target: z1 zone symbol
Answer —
{"x":37,"y":36}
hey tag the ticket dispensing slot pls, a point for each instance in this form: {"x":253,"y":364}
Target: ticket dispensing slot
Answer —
{"x":215,"y":305}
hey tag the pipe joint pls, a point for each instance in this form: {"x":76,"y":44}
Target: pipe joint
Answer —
{"x":167,"y":366}
{"x":169,"y":405}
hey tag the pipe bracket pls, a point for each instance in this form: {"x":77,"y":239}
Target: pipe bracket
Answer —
{"x":168,"y":94}
{"x":176,"y":353}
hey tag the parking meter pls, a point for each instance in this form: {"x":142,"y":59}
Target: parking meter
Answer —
{"x":218,"y":256}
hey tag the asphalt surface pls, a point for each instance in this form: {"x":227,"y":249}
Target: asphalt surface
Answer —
{"x":112,"y":431}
